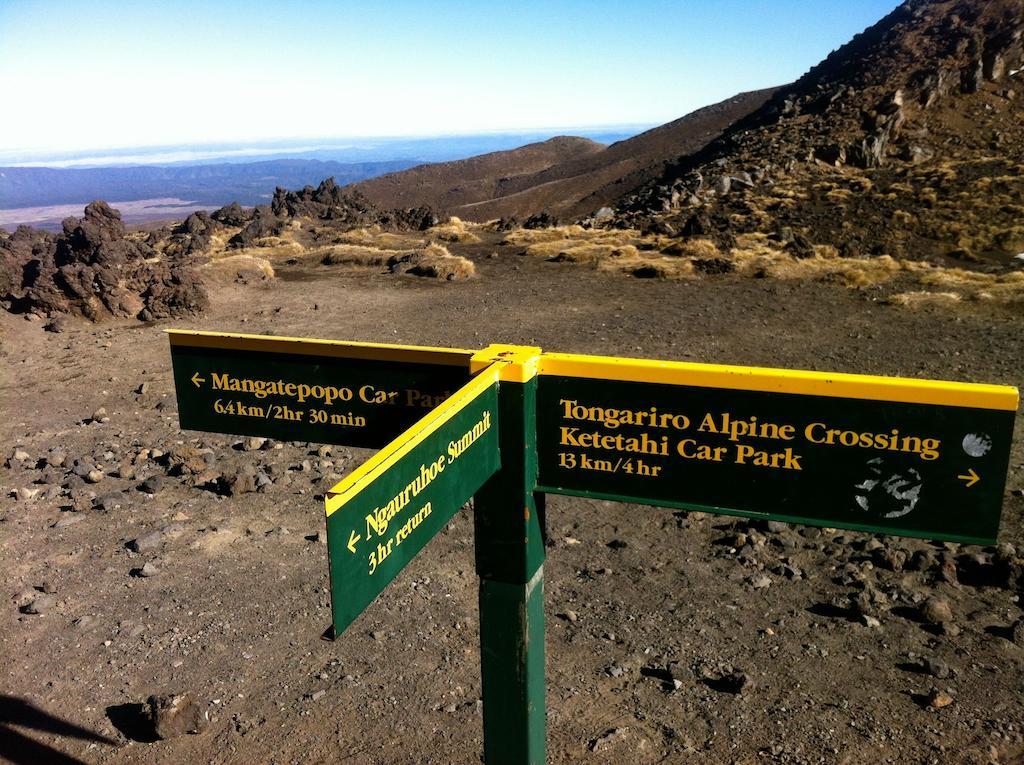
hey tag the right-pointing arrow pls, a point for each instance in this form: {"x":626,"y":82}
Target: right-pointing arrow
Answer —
{"x":970,"y":478}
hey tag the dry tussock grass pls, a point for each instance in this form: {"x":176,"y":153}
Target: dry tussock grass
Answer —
{"x":971,"y":285}
{"x":455,"y":230}
{"x":434,"y":261}
{"x":693,"y":248}
{"x":219,"y":241}
{"x":650,"y":266}
{"x":838,"y":196}
{"x":373,"y":237}
{"x":575,"y":244}
{"x":921,"y":298}
{"x":616,"y":237}
{"x":628,"y":252}
{"x":755,"y":255}
{"x":559,"y":252}
{"x":284,"y":246}
{"x":353,"y":255}
{"x":244,"y":266}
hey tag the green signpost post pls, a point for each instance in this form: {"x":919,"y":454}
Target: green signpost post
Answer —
{"x":508,"y":424}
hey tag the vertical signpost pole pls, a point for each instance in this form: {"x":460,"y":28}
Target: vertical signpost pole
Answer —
{"x":509,"y":534}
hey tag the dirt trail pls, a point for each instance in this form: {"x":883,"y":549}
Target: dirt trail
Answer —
{"x":235,"y":613}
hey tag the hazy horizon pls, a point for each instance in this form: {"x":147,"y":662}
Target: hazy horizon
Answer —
{"x":254,"y":151}
{"x":101,"y":75}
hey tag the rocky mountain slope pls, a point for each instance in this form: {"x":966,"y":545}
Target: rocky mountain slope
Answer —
{"x":564,"y":177}
{"x":908,"y":141}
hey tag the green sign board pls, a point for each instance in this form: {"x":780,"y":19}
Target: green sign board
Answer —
{"x":915,"y":458}
{"x":910,"y":457}
{"x":354,"y":394}
{"x":382,"y":514}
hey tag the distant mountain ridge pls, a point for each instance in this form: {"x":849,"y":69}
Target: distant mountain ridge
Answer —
{"x":564,"y":176}
{"x":249,"y":183}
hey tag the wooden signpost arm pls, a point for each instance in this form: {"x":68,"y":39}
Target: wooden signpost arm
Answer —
{"x":509,"y":520}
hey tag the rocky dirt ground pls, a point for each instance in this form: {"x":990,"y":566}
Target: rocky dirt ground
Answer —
{"x":672,"y":637}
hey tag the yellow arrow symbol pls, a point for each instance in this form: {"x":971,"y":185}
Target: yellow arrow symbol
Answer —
{"x":197,"y":380}
{"x":352,"y":539}
{"x":971,"y":477}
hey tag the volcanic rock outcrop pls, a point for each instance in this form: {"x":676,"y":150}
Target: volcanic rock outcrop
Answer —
{"x":95,"y":269}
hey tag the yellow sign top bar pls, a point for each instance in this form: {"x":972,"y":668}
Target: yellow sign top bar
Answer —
{"x":517,"y":363}
{"x":335,"y":348}
{"x":896,"y":389}
{"x":521,"y":363}
{"x":384,"y":459}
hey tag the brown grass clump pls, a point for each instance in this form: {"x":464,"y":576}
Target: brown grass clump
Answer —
{"x":693,"y":248}
{"x":527,"y":236}
{"x":455,"y":230}
{"x":755,"y":255}
{"x":922,"y":298}
{"x":608,"y":249}
{"x":576,"y":235}
{"x":354,"y":255}
{"x":435,"y":262}
{"x":373,"y":236}
{"x":243,"y":267}
{"x":561,"y":252}
{"x":838,"y":196}
{"x":629,"y":252}
{"x":278,"y":247}
{"x":972,"y":285}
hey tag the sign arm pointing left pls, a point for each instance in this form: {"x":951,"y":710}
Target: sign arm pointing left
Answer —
{"x":399,"y":499}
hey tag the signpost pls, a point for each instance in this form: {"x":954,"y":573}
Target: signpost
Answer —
{"x":384,"y":512}
{"x":509,"y":424}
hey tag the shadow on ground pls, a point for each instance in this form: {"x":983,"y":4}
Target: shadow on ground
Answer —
{"x":17,"y":748}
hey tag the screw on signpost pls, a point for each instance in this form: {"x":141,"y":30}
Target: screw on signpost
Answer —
{"x":509,"y":534}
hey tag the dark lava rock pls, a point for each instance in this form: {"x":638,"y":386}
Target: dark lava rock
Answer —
{"x":540,"y":220}
{"x":150,"y":541}
{"x":109,"y":502}
{"x":242,"y":482}
{"x":188,"y":460}
{"x":40,"y":604}
{"x":152,"y":485}
{"x":56,"y":325}
{"x":714,"y":265}
{"x":936,"y":668}
{"x":736,"y":682}
{"x":231,"y":215}
{"x":936,"y":611}
{"x":94,"y":269}
{"x":174,"y":715}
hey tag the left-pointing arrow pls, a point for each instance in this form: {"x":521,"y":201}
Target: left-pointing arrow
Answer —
{"x":352,"y":539}
{"x":969,"y":478}
{"x":197,"y":380}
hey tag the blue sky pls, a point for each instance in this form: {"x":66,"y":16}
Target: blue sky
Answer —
{"x":90,"y":75}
